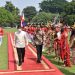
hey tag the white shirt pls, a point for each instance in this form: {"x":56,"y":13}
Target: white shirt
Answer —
{"x":20,"y":39}
{"x":59,"y":35}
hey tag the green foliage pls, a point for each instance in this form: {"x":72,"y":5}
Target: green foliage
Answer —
{"x":53,"y":6}
{"x":11,"y":8}
{"x":29,"y":12}
{"x":69,"y":13}
{"x":64,"y":8}
{"x":73,"y":0}
{"x":69,"y":8}
{"x":5,"y":16}
{"x":11,"y":17}
{"x":43,"y":17}
{"x":14,"y":11}
{"x":69,"y":19}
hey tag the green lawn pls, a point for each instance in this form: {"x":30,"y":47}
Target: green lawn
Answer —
{"x":4,"y":54}
{"x":65,"y":70}
{"x":9,"y":29}
{"x":4,"y":50}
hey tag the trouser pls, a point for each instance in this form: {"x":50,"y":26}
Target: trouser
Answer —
{"x":0,"y":40}
{"x":39,"y":52}
{"x":21,"y":54}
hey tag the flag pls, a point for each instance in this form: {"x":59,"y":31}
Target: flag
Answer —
{"x":23,"y":23}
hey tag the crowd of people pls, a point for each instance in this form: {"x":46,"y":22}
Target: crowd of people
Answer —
{"x":57,"y":38}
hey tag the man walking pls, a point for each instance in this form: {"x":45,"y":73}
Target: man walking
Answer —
{"x":38,"y":40}
{"x":20,"y":42}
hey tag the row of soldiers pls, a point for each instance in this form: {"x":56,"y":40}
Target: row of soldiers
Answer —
{"x":57,"y":38}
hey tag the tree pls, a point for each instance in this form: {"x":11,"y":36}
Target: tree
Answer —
{"x":54,"y":6}
{"x":11,"y":8}
{"x":69,"y":19}
{"x":5,"y":17}
{"x":64,"y":8}
{"x":14,"y":11}
{"x":73,"y":0}
{"x":69,"y":13}
{"x":43,"y":17}
{"x":29,"y":12}
{"x":69,"y":8}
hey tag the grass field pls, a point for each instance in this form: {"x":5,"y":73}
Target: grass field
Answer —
{"x":4,"y":54}
{"x":9,"y":30}
{"x":4,"y":50}
{"x":65,"y":70}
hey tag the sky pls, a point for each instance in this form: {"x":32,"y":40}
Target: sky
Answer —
{"x":23,"y":3}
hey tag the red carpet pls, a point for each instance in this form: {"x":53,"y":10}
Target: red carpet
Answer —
{"x":11,"y":62}
{"x":30,"y":62}
{"x":30,"y":66}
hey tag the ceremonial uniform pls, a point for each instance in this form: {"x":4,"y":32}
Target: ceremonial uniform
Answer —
{"x":57,"y":41}
{"x":49,"y":40}
{"x":65,"y":52}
